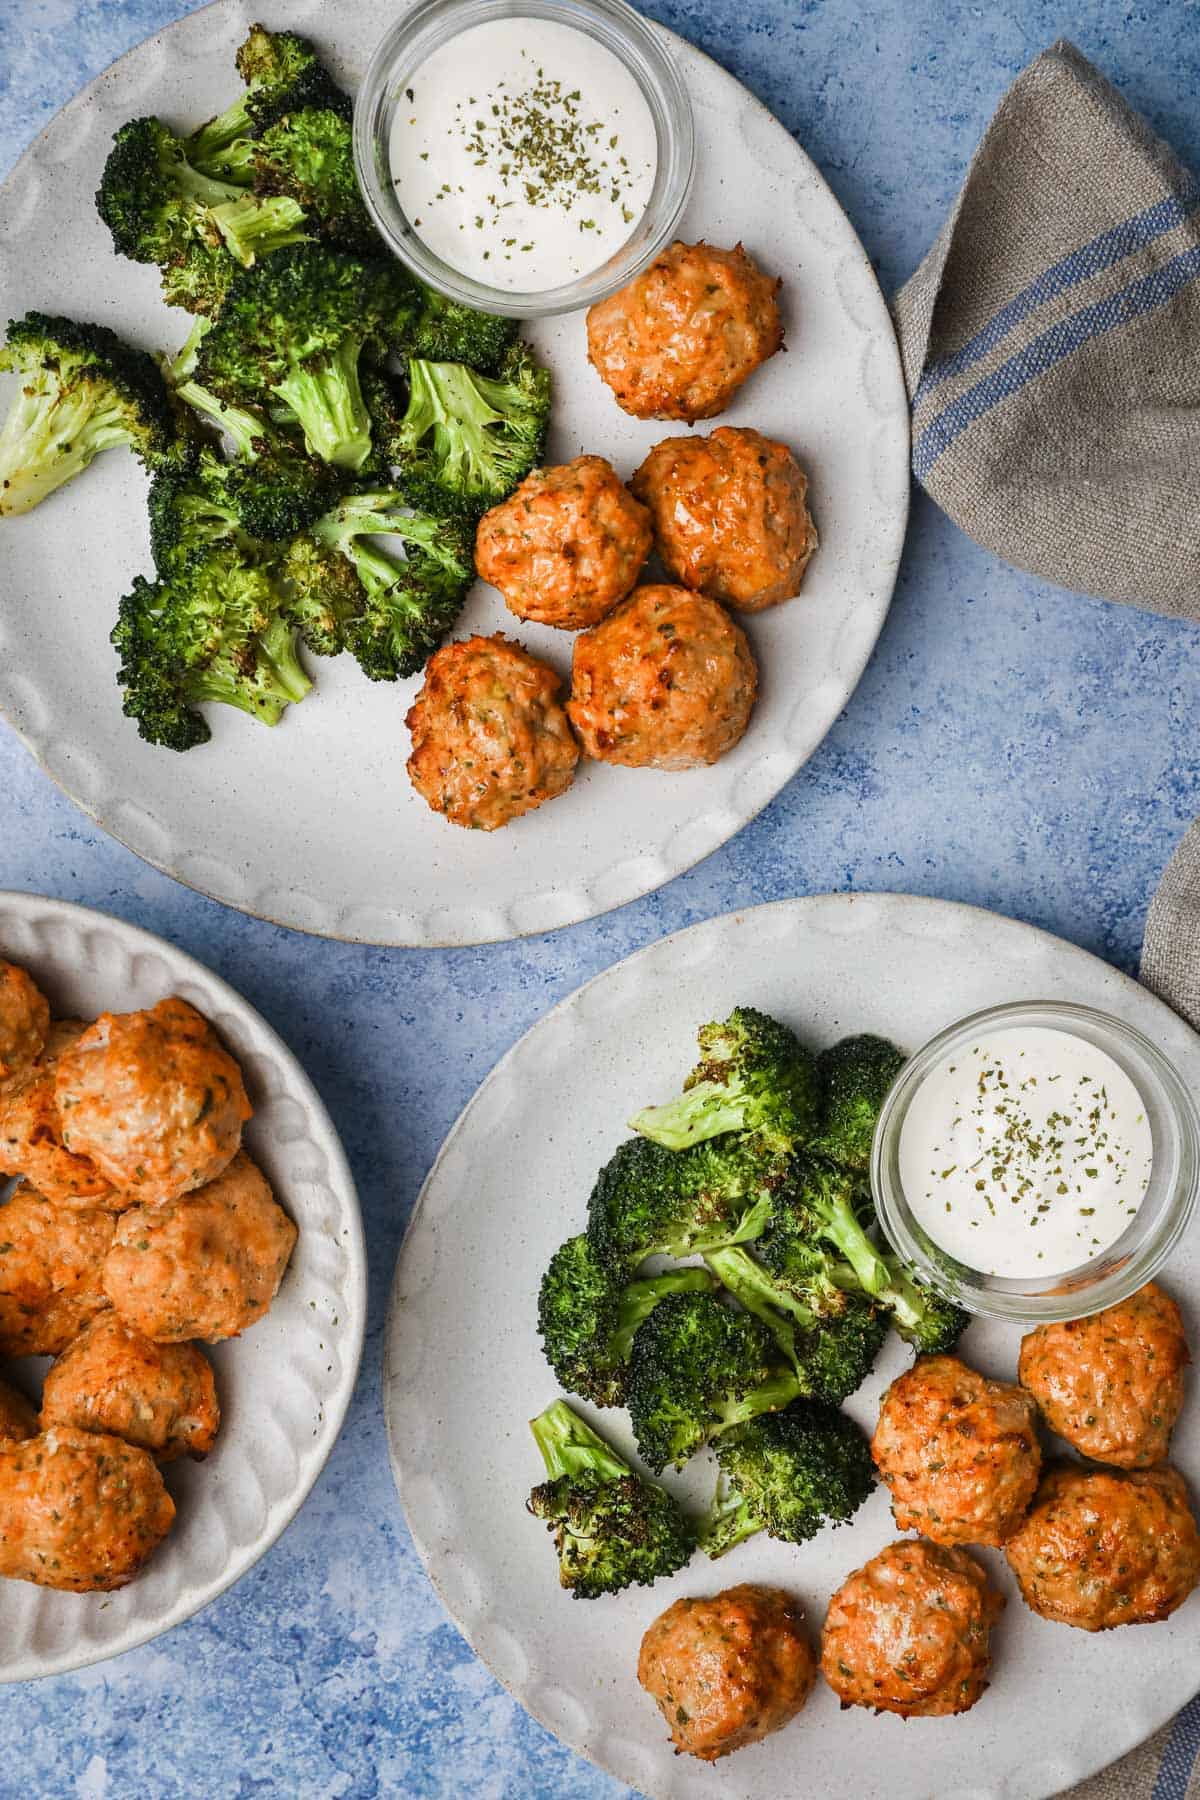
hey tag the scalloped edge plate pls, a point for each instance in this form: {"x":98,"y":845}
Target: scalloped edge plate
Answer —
{"x":225,"y":819}
{"x":463,"y":1368}
{"x":285,"y":1385}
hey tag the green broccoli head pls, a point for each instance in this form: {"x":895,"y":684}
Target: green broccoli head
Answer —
{"x":307,"y":156}
{"x":282,"y":72}
{"x":695,"y":1369}
{"x":830,"y":1338}
{"x":587,"y":1318}
{"x":446,"y":331}
{"x":322,"y":594}
{"x":788,"y":1473}
{"x":649,"y":1201}
{"x":191,"y":514}
{"x":81,"y":390}
{"x":855,"y":1076}
{"x":611,"y":1528}
{"x":753,"y":1075}
{"x":467,"y":440}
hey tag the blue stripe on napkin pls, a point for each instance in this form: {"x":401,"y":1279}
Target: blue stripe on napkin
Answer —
{"x":1179,"y":1757}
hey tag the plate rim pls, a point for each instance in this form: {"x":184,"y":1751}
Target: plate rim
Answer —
{"x":928,"y":905}
{"x":324,"y":1132}
{"x":481,"y":931}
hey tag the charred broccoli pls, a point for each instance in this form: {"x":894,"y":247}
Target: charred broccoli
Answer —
{"x":466,"y":439}
{"x":446,"y":331}
{"x":308,"y":157}
{"x":282,"y":72}
{"x":788,"y":1474}
{"x":830,"y":1339}
{"x":611,"y":1528}
{"x":753,"y":1075}
{"x":649,"y":1201}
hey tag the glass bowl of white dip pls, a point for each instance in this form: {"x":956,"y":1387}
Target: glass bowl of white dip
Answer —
{"x":526,"y":157}
{"x":1037,"y":1161}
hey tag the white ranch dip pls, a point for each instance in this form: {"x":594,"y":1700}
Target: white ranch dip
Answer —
{"x":523,"y":153}
{"x":1026,"y":1153}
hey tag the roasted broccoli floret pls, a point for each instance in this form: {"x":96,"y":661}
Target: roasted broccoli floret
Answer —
{"x":322,"y":594}
{"x":587,"y":1318}
{"x":830,"y":1340}
{"x":308,"y":156}
{"x":446,"y":331}
{"x":80,"y":390}
{"x":855,"y":1076}
{"x":160,"y":209}
{"x":282,"y":72}
{"x":410,"y":603}
{"x":788,"y":1474}
{"x":753,"y":1075}
{"x":214,"y":632}
{"x":611,"y":1528}
{"x":293,"y":329}
{"x":696,"y":1367}
{"x":466,"y":440}
{"x":649,"y":1201}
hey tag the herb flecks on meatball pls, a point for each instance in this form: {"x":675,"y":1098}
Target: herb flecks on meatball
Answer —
{"x":24,"y":1023}
{"x":161,"y":1397}
{"x":79,"y":1511}
{"x":51,"y":1272}
{"x":33,"y":1140}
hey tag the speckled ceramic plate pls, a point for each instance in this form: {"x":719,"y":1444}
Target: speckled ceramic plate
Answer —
{"x":315,"y":824}
{"x":464,"y":1371}
{"x":285,"y":1385}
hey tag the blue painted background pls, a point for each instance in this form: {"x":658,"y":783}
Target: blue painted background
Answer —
{"x":1010,"y":745}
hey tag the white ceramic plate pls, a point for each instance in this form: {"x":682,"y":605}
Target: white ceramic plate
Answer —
{"x":464,"y":1371}
{"x":285,"y":1385}
{"x":315,"y":824}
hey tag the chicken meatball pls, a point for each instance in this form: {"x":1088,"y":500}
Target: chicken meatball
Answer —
{"x":153,"y":1099}
{"x":79,"y":1511}
{"x":679,"y":341}
{"x":24,"y":1023}
{"x":113,"y":1380}
{"x":32,"y":1139}
{"x":1103,"y":1547}
{"x":910,"y":1632}
{"x":959,"y":1453}
{"x":566,"y":546}
{"x":490,"y":739}
{"x":730,"y":516}
{"x":1112,"y":1385}
{"x":667,"y":681}
{"x":727,"y":1670}
{"x":18,"y":1416}
{"x":51,"y":1272}
{"x":204,"y":1266}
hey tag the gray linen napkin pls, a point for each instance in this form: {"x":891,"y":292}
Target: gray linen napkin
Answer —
{"x":1049,"y":342}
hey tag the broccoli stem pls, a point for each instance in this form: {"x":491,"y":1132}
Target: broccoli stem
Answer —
{"x":220,"y":149}
{"x":279,"y":678}
{"x":753,"y":1288}
{"x":569,"y":1447}
{"x":730,"y":1521}
{"x":883,"y":1278}
{"x":639,"y":1298}
{"x":327,"y":400}
{"x":49,"y":436}
{"x":699,"y":1113}
{"x":252,"y":227}
{"x":769,"y":1396}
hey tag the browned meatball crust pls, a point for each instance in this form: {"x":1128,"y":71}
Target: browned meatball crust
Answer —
{"x":153,"y":1099}
{"x":112,"y":1379}
{"x":1112,"y":1385}
{"x":959,"y":1452}
{"x":1106,"y":1547}
{"x":490,"y":739}
{"x":18,"y":1416}
{"x":24,"y":1023}
{"x":79,"y":1511}
{"x":32,"y":1134}
{"x":729,"y":1669}
{"x":566,"y":546}
{"x":910,"y":1632}
{"x":667,"y":681}
{"x":681,"y":338}
{"x":51,"y":1272}
{"x":204,"y":1266}
{"x":730,"y":515}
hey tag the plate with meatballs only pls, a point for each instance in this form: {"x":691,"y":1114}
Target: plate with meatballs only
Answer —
{"x":713,"y":1480}
{"x":386,"y":622}
{"x":182,"y":1286}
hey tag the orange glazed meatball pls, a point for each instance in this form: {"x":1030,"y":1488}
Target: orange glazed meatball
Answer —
{"x":909,"y":1633}
{"x":18,"y":1416}
{"x":1112,"y":1385}
{"x":79,"y":1511}
{"x":51,"y":1272}
{"x":667,"y":681}
{"x":679,"y":341}
{"x":24,"y":1023}
{"x":204,"y":1266}
{"x":730,"y":516}
{"x":727,"y":1670}
{"x":1102,"y":1547}
{"x":490,"y":740}
{"x":153,"y":1100}
{"x":112,"y":1379}
{"x":32,"y":1136}
{"x":959,"y":1453}
{"x":566,"y":546}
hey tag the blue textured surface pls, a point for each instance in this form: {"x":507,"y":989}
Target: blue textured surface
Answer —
{"x":1010,"y":745}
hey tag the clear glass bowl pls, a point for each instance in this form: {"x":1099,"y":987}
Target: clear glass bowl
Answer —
{"x":1152,"y":1234}
{"x":612,"y":23}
